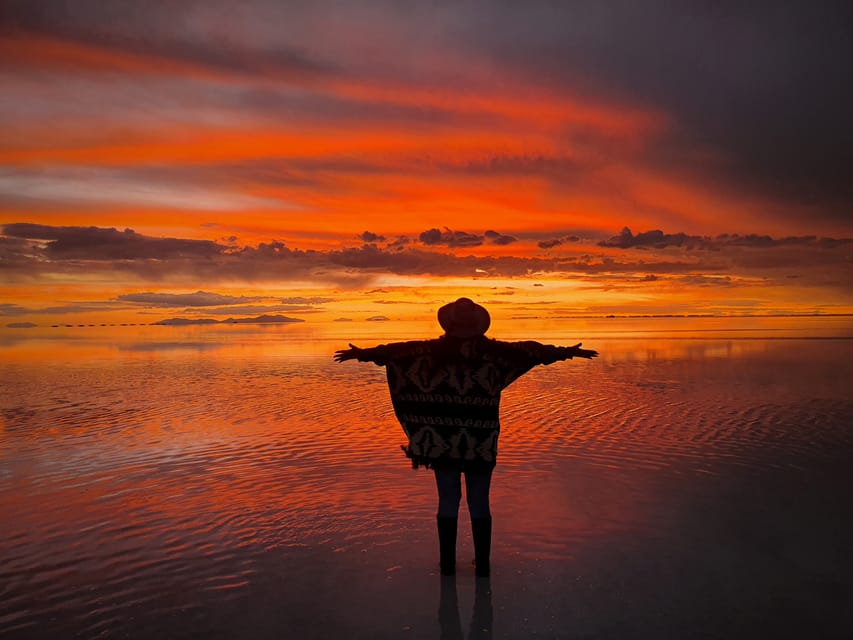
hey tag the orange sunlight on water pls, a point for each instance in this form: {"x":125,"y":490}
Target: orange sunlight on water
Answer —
{"x":146,"y":470}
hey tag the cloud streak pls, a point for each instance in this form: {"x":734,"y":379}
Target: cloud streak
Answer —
{"x":197,"y":299}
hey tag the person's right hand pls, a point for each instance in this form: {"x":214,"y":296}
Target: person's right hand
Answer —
{"x":347,"y":354}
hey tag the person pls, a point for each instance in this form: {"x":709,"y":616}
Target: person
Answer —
{"x":446,"y":394}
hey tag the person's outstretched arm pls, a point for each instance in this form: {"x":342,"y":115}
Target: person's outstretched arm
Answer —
{"x":372,"y":354}
{"x":521,"y":357}
{"x":537,"y":353}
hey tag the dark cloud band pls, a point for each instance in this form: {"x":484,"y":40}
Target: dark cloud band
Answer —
{"x":32,"y":250}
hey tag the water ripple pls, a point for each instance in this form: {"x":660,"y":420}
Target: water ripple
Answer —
{"x":156,"y":487}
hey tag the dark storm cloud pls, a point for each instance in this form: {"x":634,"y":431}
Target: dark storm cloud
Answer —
{"x":766,"y":242}
{"x":809,"y":258}
{"x":399,"y":243}
{"x":412,"y":261}
{"x":556,"y":242}
{"x":95,"y":243}
{"x":659,"y":240}
{"x":499,"y":239}
{"x":764,"y":85}
{"x":367,"y":236}
{"x":453,"y":239}
{"x":450,"y":238}
{"x":549,"y":244}
{"x":654,"y":238}
{"x":370,"y":258}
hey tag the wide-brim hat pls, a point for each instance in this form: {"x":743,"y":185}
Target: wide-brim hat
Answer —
{"x":464,"y":318}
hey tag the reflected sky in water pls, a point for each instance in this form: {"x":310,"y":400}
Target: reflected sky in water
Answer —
{"x":169,"y":482}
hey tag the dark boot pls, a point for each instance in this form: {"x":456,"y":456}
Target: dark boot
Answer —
{"x":447,"y":545}
{"x":481,"y":531}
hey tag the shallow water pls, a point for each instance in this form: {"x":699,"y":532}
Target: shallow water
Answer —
{"x":236,"y":482}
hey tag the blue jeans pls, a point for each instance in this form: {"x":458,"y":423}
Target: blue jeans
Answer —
{"x":449,"y":484}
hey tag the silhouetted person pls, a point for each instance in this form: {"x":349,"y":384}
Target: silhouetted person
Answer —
{"x":446,"y":394}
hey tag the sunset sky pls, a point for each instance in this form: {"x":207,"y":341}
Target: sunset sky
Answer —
{"x":330,"y":160}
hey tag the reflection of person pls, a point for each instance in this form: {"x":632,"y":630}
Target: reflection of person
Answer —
{"x":446,"y":394}
{"x":449,"y":621}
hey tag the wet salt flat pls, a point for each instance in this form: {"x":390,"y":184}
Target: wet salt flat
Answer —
{"x":235,"y":482}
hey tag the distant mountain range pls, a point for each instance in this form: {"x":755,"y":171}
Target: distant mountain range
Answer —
{"x":264,"y":319}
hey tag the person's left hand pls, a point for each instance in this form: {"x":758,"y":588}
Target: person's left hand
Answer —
{"x":577,"y":352}
{"x":347,"y":354}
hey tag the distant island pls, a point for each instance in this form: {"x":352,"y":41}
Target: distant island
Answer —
{"x":21,"y":325}
{"x":264,"y":319}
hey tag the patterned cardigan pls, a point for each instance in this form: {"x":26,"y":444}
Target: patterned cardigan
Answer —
{"x":446,"y":393}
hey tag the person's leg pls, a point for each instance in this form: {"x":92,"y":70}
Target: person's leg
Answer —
{"x":477,"y":485}
{"x":449,"y":485}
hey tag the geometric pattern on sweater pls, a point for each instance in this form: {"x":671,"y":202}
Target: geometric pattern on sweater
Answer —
{"x":446,"y":393}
